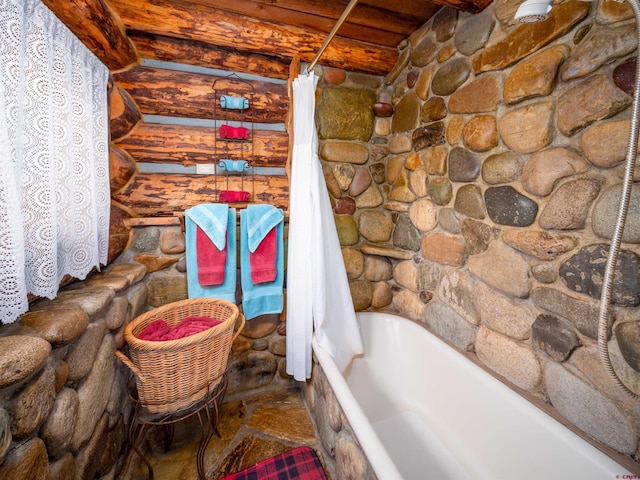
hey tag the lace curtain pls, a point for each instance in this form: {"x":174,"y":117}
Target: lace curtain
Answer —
{"x":54,"y":156}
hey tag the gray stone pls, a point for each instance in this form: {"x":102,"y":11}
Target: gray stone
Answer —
{"x":481,"y":95}
{"x":382,"y":295}
{"x":138,"y":296}
{"x":433,"y":109}
{"x":506,"y":206}
{"x":449,"y":221}
{"x":582,"y":314}
{"x":628,"y":338}
{"x":602,"y":420}
{"x":20,"y":356}
{"x":344,"y":152}
{"x":145,"y":240}
{"x":602,"y":45}
{"x":135,"y":272}
{"x":83,"y":352}
{"x":117,"y":313}
{"x":378,"y":172}
{"x":89,"y":299}
{"x":93,"y":392}
{"x":361,"y":181}
{"x":172,"y":241}
{"x":510,"y":359}
{"x":405,"y":274}
{"x":578,"y":107}
{"x":458,"y":291}
{"x":344,"y":173}
{"x":58,"y":429}
{"x":444,"y":321}
{"x":424,"y":52}
{"x":385,"y":251}
{"x":418,"y":182}
{"x":449,"y":76}
{"x":539,"y":243}
{"x":554,"y":337}
{"x":440,"y":190}
{"x":405,"y":234}
{"x":474,"y":33}
{"x":400,"y":191}
{"x":502,"y":167}
{"x":34,"y":403}
{"x":568,"y":207}
{"x":480,"y":133}
{"x":464,"y":165}
{"x":407,"y":114}
{"x":423,"y":214}
{"x":502,"y":268}
{"x":584,"y":272}
{"x":503,"y":314}
{"x":544,"y":273}
{"x":605,"y":144}
{"x":605,"y":213}
{"x":469,"y":202}
{"x":28,"y":461}
{"x":327,"y":434}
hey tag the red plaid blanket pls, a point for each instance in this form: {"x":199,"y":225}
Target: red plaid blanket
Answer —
{"x":301,"y":463}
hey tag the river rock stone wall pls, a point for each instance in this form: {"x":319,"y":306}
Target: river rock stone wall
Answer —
{"x":63,"y":394}
{"x":478,"y":190}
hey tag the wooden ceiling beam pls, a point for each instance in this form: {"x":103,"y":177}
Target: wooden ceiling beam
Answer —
{"x":93,"y":22}
{"x":189,"y":52}
{"x":241,"y":33}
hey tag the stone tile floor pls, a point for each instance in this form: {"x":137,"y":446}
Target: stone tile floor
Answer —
{"x":251,"y":429}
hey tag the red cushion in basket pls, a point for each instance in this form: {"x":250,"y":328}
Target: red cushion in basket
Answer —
{"x":159,"y":330}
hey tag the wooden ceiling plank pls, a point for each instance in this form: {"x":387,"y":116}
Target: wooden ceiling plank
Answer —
{"x":93,"y":22}
{"x":234,"y":31}
{"x":157,"y":47}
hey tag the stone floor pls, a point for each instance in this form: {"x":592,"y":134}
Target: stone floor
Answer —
{"x":251,"y":429}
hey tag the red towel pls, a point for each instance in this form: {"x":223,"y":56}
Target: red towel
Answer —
{"x":263,"y":260}
{"x":210,"y":260}
{"x":155,"y":331}
{"x":159,"y":330}
{"x":232,"y":196}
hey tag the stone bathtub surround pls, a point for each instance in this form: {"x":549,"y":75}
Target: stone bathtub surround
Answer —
{"x":487,"y":201}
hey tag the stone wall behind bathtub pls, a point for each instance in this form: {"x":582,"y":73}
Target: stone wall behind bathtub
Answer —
{"x":479,"y":194}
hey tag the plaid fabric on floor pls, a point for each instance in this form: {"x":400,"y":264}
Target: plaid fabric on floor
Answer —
{"x":301,"y":463}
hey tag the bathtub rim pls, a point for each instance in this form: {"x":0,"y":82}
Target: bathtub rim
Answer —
{"x":372,"y":441}
{"x":376,"y":454}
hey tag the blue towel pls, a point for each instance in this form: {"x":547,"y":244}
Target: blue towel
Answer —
{"x":216,"y":220}
{"x":255,"y":222}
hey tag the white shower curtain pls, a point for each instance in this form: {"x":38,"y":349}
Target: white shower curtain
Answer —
{"x":318,"y":295}
{"x":54,"y":156}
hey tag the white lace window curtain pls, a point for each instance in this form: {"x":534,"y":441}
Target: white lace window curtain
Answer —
{"x":54,"y":156}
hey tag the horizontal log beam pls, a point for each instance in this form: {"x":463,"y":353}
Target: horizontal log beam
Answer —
{"x":123,"y":112}
{"x":186,"y":145}
{"x":184,"y":94}
{"x":121,"y":167}
{"x":157,"y":47}
{"x":156,"y":194}
{"x":238,"y":32}
{"x":102,"y":32}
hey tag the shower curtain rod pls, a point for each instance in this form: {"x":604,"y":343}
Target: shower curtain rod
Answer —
{"x":335,"y":28}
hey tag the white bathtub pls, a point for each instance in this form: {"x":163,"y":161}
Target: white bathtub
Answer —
{"x":422,"y":410}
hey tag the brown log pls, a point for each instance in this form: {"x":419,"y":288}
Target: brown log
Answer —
{"x":242,"y":33}
{"x":121,"y":168}
{"x":156,"y":194}
{"x":184,"y":94}
{"x":93,"y":22}
{"x":186,"y":145}
{"x":119,"y":233}
{"x":124,"y":114}
{"x":197,"y":53}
